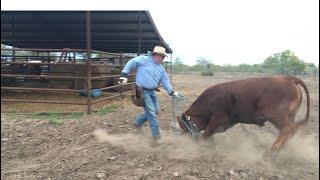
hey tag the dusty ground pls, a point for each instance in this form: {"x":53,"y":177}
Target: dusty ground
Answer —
{"x":33,"y":148}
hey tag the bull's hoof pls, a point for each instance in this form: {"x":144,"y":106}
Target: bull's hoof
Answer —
{"x":200,"y":141}
{"x":270,"y":156}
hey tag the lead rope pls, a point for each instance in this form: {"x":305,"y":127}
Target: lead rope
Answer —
{"x":176,"y":111}
{"x":176,"y":108}
{"x":174,"y":116}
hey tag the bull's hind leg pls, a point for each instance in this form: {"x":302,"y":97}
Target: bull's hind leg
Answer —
{"x":286,"y":132}
{"x":287,"y":127}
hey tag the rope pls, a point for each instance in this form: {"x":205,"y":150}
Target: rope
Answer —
{"x":176,"y":110}
{"x":174,"y":116}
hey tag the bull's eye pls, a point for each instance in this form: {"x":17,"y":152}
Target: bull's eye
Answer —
{"x":188,"y":118}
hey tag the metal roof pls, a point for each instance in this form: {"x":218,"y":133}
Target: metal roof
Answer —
{"x":111,"y":31}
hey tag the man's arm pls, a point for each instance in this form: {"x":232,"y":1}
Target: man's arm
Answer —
{"x":166,"y":82}
{"x":167,"y":85}
{"x":132,"y":64}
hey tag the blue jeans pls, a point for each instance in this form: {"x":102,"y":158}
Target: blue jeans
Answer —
{"x":151,"y":109}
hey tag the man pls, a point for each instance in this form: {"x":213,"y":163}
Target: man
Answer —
{"x":149,"y":74}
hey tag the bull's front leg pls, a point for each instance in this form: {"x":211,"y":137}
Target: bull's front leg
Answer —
{"x":216,"y":122}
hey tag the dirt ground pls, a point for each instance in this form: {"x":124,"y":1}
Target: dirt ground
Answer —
{"x":109,"y":147}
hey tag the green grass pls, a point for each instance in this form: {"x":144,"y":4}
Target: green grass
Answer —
{"x":56,"y":118}
{"x":13,"y":111}
{"x":207,"y":73}
{"x":107,"y":109}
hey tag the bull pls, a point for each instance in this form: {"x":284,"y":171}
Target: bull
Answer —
{"x":249,"y":101}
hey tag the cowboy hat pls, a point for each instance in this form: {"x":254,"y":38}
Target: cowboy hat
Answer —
{"x":160,"y":51}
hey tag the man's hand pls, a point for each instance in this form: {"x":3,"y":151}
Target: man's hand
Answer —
{"x":123,"y":80}
{"x":177,"y":95}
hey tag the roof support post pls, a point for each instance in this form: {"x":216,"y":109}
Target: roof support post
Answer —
{"x":88,"y":79}
{"x":13,"y":36}
{"x":139,"y":34}
{"x":171,"y":67}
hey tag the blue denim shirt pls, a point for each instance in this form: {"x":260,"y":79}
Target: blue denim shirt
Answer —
{"x":149,"y":74}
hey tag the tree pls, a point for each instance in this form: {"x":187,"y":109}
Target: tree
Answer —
{"x":245,"y":68}
{"x":203,"y":61}
{"x":178,"y":61}
{"x":178,"y":66}
{"x":206,"y":64}
{"x":5,"y":52}
{"x":284,"y":63}
{"x":257,"y":68}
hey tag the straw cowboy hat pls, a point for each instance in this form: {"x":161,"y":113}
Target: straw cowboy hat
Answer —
{"x":160,"y":51}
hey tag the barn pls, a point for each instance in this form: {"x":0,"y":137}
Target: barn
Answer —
{"x":79,"y":52}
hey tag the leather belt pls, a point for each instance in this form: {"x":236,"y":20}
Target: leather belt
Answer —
{"x":149,"y":89}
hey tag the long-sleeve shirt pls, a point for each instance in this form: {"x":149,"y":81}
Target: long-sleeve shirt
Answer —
{"x":149,"y":74}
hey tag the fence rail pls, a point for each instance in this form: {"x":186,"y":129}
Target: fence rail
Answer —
{"x":60,"y":64}
{"x":42,"y":101}
{"x":87,"y":78}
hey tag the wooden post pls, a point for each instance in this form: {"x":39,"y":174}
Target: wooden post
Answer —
{"x":13,"y":38}
{"x":88,"y":88}
{"x":121,"y":87}
{"x":171,"y":68}
{"x":139,"y":34}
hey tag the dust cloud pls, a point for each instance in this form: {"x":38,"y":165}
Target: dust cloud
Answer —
{"x":249,"y":146}
{"x":129,"y":141}
{"x":235,"y":145}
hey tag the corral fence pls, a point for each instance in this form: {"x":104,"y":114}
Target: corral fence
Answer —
{"x":80,"y":69}
{"x":64,"y":73}
{"x":65,"y":70}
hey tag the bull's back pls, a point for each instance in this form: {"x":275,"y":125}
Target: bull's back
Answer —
{"x":258,"y":99}
{"x":271,"y":87}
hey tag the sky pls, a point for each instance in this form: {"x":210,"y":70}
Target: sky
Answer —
{"x":223,"y":31}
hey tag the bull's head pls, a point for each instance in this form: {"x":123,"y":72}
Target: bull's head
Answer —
{"x":180,"y":120}
{"x":187,"y":124}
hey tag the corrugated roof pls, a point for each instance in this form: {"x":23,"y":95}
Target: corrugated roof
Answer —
{"x":112,"y":31}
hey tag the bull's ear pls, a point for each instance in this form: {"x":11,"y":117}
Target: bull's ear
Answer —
{"x":183,"y":116}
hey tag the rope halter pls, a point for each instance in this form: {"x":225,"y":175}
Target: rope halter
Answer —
{"x":192,"y":128}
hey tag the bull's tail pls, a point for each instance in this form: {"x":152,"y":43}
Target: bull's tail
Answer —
{"x":298,"y":81}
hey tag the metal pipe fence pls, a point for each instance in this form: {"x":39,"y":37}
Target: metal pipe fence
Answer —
{"x":88,"y":78}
